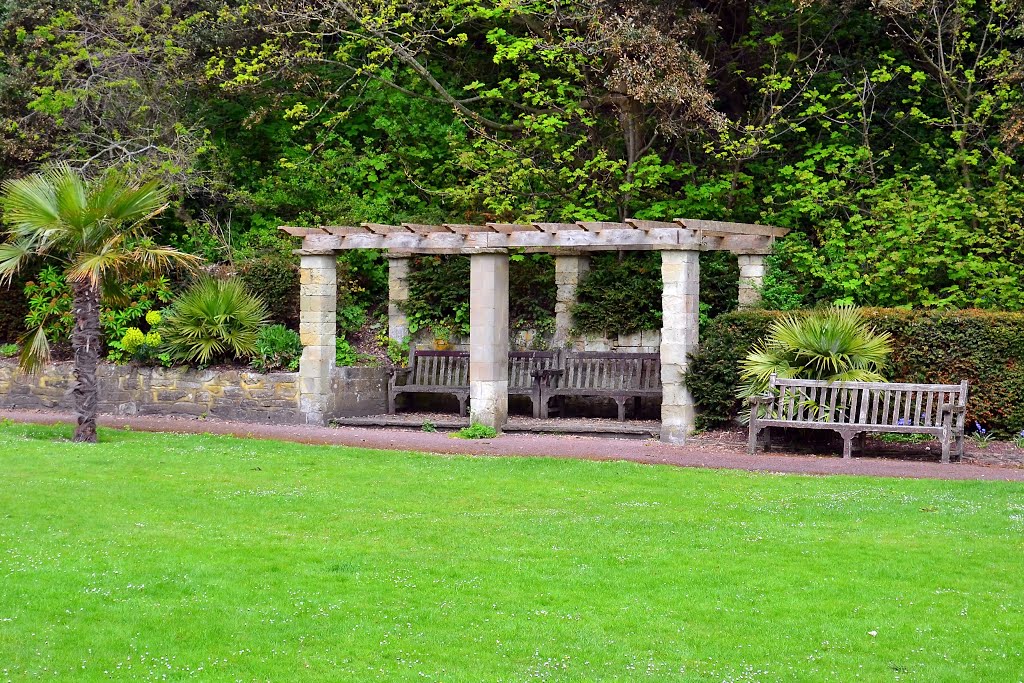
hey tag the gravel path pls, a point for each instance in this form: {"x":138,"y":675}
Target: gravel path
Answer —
{"x":714,"y":450}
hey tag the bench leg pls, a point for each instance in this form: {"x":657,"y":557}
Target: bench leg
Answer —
{"x":862,"y":443}
{"x":847,"y":446}
{"x":752,"y":439}
{"x":463,"y":399}
{"x":392,"y":395}
{"x":945,"y":447}
{"x":620,"y":403}
{"x":960,"y":446}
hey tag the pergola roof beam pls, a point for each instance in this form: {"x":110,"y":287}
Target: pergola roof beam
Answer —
{"x":722,"y":228}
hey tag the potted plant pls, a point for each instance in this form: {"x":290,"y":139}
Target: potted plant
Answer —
{"x":442,"y":335}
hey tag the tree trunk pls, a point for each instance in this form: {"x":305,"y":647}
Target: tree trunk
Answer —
{"x":85,"y":341}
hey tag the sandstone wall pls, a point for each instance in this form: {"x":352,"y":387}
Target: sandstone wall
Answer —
{"x":222,"y":393}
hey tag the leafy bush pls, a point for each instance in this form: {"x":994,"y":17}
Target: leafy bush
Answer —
{"x":277,"y":347}
{"x":214,"y":320}
{"x":9,"y":350}
{"x":13,"y":308}
{"x":985,"y":348}
{"x":49,"y":306}
{"x":439,"y":293}
{"x":475,"y":431}
{"x":276,"y":280}
{"x":834,"y":344}
{"x":622,"y":294}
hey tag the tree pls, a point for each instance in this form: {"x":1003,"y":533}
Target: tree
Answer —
{"x":95,"y":230}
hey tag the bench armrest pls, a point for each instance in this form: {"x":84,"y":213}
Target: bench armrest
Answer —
{"x":399,"y":372}
{"x":951,"y":408}
{"x":758,"y":399}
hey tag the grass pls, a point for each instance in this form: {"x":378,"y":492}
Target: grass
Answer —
{"x":165,"y":557}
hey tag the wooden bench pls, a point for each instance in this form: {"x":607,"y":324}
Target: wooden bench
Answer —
{"x":619,"y":376}
{"x":432,"y":372}
{"x":856,"y":408}
{"x":447,"y":372}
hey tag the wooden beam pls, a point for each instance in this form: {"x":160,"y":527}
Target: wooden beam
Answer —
{"x":723,"y":228}
{"x":344,"y":230}
{"x":509,"y":228}
{"x":465,"y":228}
{"x":651,"y":225}
{"x":422,"y":229}
{"x":380,"y":229}
{"x":300,"y":232}
{"x":598,"y":226}
{"x":557,"y":227}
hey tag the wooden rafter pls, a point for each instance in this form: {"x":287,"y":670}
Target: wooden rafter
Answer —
{"x":454,"y":238}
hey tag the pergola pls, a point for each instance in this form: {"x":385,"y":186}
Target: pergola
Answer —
{"x":680,"y":243}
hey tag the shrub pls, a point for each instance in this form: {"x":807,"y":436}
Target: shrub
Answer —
{"x":985,"y":348}
{"x":622,"y":295}
{"x":835,"y":344}
{"x":214,"y":320}
{"x":276,"y":280}
{"x":277,"y":348}
{"x":13,"y":308}
{"x":475,"y":431}
{"x":9,"y":350}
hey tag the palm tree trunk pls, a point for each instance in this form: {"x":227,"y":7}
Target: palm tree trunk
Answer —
{"x":85,"y":341}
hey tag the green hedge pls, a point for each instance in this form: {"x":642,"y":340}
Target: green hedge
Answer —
{"x":13,"y":309}
{"x":985,"y":348}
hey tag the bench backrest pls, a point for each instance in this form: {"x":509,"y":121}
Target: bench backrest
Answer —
{"x":872,"y":403}
{"x":439,"y":368}
{"x":522,"y":365}
{"x":451,"y":368}
{"x":610,"y":370}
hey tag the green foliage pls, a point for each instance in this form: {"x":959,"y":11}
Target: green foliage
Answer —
{"x":49,"y":305}
{"x":277,"y":348}
{"x":428,"y":427}
{"x":50,"y":301}
{"x":276,"y":280}
{"x":13,"y":307}
{"x":935,"y":347}
{"x":835,"y":344}
{"x":620,"y":294}
{"x":475,"y":431}
{"x":346,"y":354}
{"x":214,"y":320}
{"x":713,"y":372}
{"x":439,"y":294}
{"x":9,"y":350}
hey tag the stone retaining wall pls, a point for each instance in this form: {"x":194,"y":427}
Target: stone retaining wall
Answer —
{"x":222,"y":393}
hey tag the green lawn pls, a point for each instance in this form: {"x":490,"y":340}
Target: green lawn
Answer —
{"x":167,"y":557}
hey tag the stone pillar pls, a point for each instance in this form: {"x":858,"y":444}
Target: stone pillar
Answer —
{"x":569,"y":271}
{"x":488,"y":339}
{"x":398,"y":294}
{"x":751,"y":277}
{"x":680,"y":274}
{"x":318,"y":306}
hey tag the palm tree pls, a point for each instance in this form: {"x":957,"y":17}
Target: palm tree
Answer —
{"x":95,"y":231}
{"x":835,"y":344}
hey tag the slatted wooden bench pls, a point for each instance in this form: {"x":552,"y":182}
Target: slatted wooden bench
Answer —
{"x":525,"y":369}
{"x":856,"y":408}
{"x":432,"y":372}
{"x":619,"y":376}
{"x":447,"y":372}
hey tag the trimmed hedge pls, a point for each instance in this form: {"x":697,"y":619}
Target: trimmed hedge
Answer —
{"x":985,"y":348}
{"x":13,"y":309}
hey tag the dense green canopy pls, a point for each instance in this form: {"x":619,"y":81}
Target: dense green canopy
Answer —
{"x":885,"y":134}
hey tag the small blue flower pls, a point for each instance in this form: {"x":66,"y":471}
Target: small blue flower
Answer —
{"x":901,"y":422}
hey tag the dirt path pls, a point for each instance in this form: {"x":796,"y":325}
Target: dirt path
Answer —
{"x":704,"y":452}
